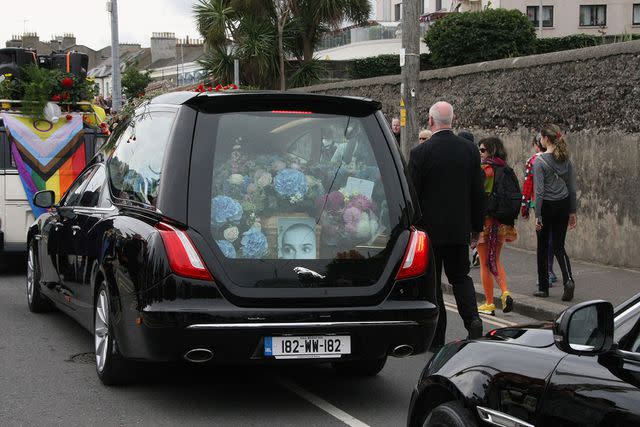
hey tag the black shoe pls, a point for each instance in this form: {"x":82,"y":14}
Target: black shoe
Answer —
{"x":541,"y":294}
{"x":567,"y":295}
{"x":475,"y":329}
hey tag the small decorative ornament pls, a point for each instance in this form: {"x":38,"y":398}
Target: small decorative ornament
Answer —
{"x":67,"y":82}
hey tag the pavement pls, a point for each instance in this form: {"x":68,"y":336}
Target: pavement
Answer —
{"x":593,"y":281}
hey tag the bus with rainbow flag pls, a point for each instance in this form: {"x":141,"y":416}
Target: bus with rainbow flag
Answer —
{"x":38,"y":154}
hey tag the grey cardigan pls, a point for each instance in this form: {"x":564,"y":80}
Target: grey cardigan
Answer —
{"x":553,"y":181}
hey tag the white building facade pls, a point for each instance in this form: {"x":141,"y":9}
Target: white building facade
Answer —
{"x":559,"y":17}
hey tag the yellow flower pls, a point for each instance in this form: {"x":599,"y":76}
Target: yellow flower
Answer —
{"x":91,"y":79}
{"x":8,"y":75}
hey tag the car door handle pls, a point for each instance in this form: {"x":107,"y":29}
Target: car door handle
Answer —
{"x":75,"y":229}
{"x":57,"y":225}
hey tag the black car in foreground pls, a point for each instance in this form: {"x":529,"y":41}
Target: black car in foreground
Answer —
{"x":240,"y":227}
{"x":582,"y":370}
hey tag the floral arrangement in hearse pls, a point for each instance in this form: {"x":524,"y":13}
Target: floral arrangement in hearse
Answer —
{"x":249,"y":191}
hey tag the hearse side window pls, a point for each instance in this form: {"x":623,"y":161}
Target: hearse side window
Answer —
{"x":91,"y":195}
{"x":136,"y":165}
{"x":72,"y":196}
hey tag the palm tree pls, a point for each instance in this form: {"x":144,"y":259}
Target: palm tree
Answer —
{"x":318,"y":16}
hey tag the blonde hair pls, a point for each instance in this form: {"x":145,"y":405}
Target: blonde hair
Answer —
{"x":426,"y":134}
{"x":554,"y":134}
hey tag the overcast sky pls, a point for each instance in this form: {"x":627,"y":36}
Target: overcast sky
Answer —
{"x":89,"y":21}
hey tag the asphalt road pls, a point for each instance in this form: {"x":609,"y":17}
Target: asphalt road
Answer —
{"x":47,"y":377}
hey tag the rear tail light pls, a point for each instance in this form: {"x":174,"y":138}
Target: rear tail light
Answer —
{"x":416,"y":258}
{"x":184,"y":258}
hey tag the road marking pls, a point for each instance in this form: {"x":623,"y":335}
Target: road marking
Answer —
{"x":485,"y":318}
{"x":320,"y":403}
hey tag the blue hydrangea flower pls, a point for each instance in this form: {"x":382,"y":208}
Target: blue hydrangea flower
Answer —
{"x":227,"y":248}
{"x":245,"y":184}
{"x":254,"y":243}
{"x":290,"y":182}
{"x":225,"y":209}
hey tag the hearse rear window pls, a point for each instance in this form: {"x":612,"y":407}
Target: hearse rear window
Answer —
{"x":293,"y":185}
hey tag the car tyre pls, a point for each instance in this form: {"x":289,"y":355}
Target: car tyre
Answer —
{"x":112,"y":368}
{"x":38,"y":303}
{"x":450,"y":414}
{"x":360,"y":368}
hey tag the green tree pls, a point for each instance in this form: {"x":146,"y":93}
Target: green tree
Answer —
{"x":464,"y":38}
{"x":315,"y":17}
{"x":262,"y":34}
{"x":134,"y":83}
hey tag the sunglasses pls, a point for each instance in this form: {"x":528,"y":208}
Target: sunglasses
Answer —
{"x":422,"y":139}
{"x":482,"y":150}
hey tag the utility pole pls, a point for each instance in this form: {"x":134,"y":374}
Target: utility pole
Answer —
{"x":410,"y":63}
{"x":116,"y":98}
{"x":540,"y":20}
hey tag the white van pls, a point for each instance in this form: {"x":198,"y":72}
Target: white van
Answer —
{"x":15,"y":211}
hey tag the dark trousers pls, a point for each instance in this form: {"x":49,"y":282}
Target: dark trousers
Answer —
{"x":555,"y":220}
{"x":455,"y":259}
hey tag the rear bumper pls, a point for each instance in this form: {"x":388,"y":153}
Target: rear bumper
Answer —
{"x":168,"y":330}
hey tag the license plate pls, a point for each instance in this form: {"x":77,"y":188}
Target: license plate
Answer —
{"x":307,"y":347}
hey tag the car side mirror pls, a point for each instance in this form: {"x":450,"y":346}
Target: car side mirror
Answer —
{"x":585,"y":328}
{"x":44,"y":199}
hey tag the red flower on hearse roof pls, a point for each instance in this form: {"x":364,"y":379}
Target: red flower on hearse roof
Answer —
{"x":67,"y":82}
{"x":56,"y":97}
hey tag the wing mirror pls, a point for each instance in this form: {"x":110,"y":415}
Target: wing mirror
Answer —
{"x":44,"y":199}
{"x":585,"y":328}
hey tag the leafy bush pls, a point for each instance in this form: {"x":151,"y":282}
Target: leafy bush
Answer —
{"x":464,"y":38}
{"x":574,"y":41}
{"x":383,"y":65}
{"x":134,"y":83}
{"x":307,"y":73}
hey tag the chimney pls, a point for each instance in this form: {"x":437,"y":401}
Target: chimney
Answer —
{"x":163,"y":45}
{"x":16,"y":41}
{"x":30,"y":40}
{"x":68,"y":40}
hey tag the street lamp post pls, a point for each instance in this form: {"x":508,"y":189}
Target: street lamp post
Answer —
{"x":116,"y":98}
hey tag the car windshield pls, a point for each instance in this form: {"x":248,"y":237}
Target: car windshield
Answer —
{"x":303,"y":192}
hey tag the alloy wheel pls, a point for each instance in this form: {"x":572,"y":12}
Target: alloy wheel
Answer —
{"x":101,"y":329}
{"x":30,"y":275}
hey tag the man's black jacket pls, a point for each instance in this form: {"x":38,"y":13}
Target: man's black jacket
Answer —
{"x":449,"y":184}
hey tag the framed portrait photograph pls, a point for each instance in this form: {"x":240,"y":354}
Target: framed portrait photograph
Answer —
{"x":297,"y":238}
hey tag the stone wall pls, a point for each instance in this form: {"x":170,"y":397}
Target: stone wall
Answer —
{"x":592,"y":93}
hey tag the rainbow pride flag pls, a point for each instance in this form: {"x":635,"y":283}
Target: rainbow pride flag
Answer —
{"x":48,"y":156}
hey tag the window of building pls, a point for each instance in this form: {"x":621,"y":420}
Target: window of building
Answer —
{"x":636,"y":14}
{"x":438,"y":5}
{"x":593,"y":16}
{"x":547,"y":15}
{"x":397,"y":14}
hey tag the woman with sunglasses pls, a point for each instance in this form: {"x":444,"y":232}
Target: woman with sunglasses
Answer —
{"x":555,"y":194}
{"x":424,"y":135}
{"x":528,"y":199}
{"x":495,"y":234}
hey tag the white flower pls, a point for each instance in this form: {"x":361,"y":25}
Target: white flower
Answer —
{"x":264,"y":180}
{"x":363,"y":228}
{"x":231,"y":234}
{"x":235,"y":179}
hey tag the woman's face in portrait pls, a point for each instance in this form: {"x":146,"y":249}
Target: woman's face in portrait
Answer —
{"x":484,"y":153}
{"x":299,"y":242}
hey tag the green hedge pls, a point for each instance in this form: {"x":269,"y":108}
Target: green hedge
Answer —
{"x":383,"y":65}
{"x":575,"y":41}
{"x":469,"y":37}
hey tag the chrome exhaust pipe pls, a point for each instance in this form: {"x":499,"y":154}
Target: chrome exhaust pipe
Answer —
{"x":198,"y":355}
{"x":403,"y":350}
